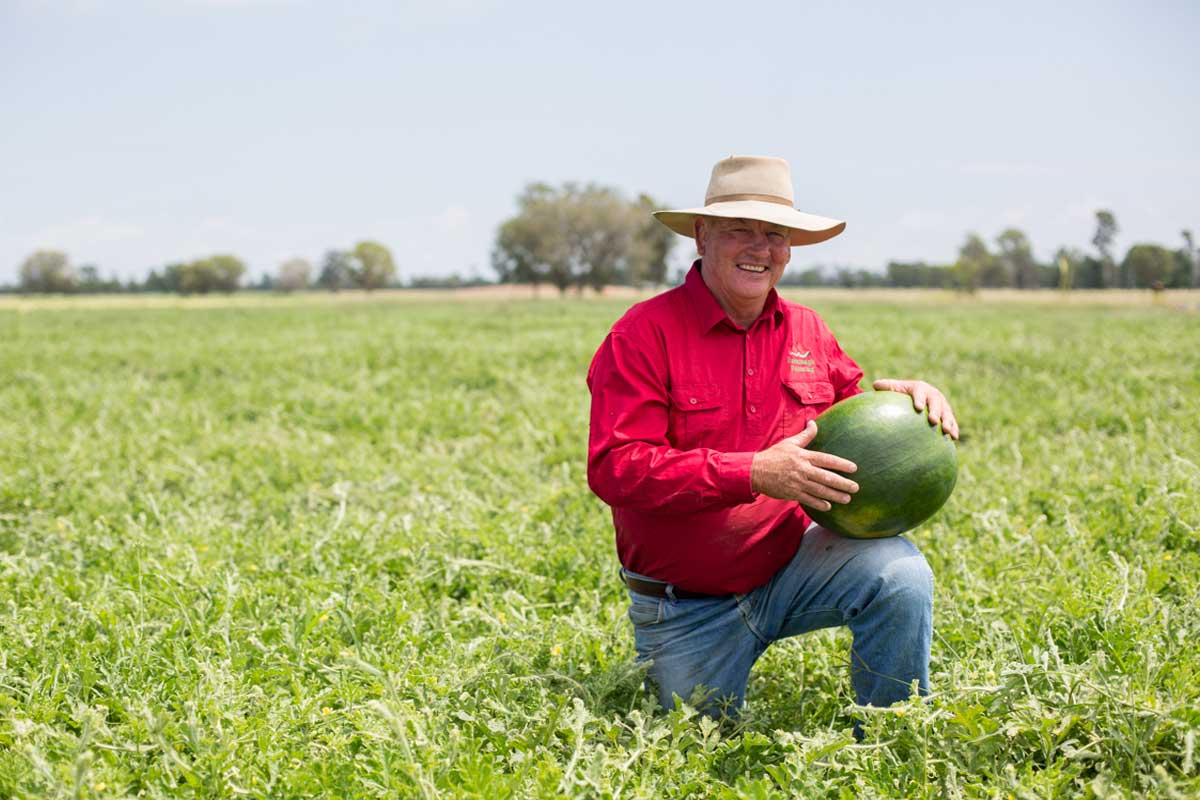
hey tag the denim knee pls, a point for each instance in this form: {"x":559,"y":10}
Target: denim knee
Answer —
{"x":909,"y":575}
{"x":903,"y":579}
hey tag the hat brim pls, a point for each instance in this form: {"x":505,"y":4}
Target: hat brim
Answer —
{"x":806,"y":228}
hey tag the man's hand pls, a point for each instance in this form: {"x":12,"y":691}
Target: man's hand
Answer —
{"x":789,"y":472}
{"x":924,"y":395}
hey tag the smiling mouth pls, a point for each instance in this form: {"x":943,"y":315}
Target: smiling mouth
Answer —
{"x":756,"y":268}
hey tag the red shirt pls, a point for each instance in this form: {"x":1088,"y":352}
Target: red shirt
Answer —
{"x":682,"y":399}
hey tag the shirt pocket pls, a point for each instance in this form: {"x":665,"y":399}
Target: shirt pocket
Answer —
{"x":697,"y":410}
{"x":803,"y":400}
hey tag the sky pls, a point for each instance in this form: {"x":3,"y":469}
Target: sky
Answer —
{"x":136,"y":133}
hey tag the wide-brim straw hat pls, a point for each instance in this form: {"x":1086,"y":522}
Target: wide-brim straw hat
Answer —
{"x":754,"y":187}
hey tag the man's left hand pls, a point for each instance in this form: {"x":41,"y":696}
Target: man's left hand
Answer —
{"x":923,"y":396}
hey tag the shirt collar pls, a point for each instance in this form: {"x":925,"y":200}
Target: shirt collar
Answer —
{"x":709,"y":310}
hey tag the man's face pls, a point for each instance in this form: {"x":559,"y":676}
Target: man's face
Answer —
{"x":743,"y":258}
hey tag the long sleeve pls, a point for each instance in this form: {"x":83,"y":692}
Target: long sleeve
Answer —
{"x":631,"y":463}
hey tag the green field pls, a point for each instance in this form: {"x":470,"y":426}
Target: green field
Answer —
{"x":348,"y":550}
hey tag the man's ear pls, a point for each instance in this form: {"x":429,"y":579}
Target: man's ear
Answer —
{"x":698,"y":232}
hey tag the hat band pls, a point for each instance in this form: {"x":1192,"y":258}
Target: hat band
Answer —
{"x":733,"y":198}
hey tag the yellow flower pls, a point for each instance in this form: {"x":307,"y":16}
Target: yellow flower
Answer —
{"x":556,"y":650}
{"x":251,"y":568}
{"x":326,"y":711}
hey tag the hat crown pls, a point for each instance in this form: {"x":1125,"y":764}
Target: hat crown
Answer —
{"x":750,"y":177}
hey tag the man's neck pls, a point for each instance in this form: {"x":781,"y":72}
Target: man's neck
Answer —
{"x":742,"y":314}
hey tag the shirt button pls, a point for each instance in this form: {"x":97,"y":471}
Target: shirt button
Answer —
{"x":692,"y":401}
{"x":750,"y":371}
{"x":753,"y":409}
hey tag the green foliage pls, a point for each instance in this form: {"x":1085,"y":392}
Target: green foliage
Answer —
{"x":293,"y":275}
{"x":348,"y":550}
{"x":219,"y":273}
{"x":1016,"y":257}
{"x":371,"y":265}
{"x":1106,"y":232}
{"x":1188,"y":262}
{"x":48,"y":271}
{"x":1147,"y":264}
{"x":581,"y":236}
{"x":337,"y":271}
{"x":974,"y":263}
{"x":918,"y":273}
{"x":652,"y":245}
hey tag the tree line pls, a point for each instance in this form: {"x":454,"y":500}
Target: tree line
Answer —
{"x":587,"y":236}
{"x":1010,"y":264}
{"x":368,"y":265}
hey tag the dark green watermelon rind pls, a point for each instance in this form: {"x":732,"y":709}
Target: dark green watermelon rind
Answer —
{"x":860,"y":518}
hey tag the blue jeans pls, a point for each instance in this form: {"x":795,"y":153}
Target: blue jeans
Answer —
{"x":882,"y":589}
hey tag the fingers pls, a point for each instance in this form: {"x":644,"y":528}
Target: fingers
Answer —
{"x":838,"y":493}
{"x":946,"y":415}
{"x":814,"y":502}
{"x":941,"y":413}
{"x":920,"y":396}
{"x":924,"y":397}
{"x":821,"y":496}
{"x":825,"y":485}
{"x":830,"y":461}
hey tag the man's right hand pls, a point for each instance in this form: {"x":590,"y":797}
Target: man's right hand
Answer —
{"x":789,"y":472}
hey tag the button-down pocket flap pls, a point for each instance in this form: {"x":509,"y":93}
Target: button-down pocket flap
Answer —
{"x":696,"y":396}
{"x":811,"y":392}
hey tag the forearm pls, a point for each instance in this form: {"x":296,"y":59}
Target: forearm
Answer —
{"x":646,"y":477}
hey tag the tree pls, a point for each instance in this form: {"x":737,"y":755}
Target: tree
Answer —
{"x":293,"y":275}
{"x":219,"y":273}
{"x":1192,"y":273}
{"x":336,"y":271}
{"x":90,"y":281}
{"x":652,"y":245}
{"x":600,"y":234}
{"x":227,"y":271}
{"x":1147,"y":264}
{"x":974,"y":261}
{"x":1106,"y":232}
{"x":1016,"y":254}
{"x":48,"y":271}
{"x":372,"y":265}
{"x":580,"y":236}
{"x":1069,"y":261}
{"x":532,"y":246}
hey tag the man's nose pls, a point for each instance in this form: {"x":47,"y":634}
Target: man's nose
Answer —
{"x":760,"y":243}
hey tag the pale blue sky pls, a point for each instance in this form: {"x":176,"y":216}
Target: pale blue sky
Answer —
{"x":139,"y":132}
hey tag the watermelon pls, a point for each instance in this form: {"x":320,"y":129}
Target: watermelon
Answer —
{"x":907,"y":466}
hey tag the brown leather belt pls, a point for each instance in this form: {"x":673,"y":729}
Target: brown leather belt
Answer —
{"x":660,"y":589}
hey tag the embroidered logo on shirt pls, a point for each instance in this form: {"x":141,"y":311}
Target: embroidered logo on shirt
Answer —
{"x":800,"y":361}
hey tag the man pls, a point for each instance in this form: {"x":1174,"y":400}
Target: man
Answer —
{"x":703,"y":400}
